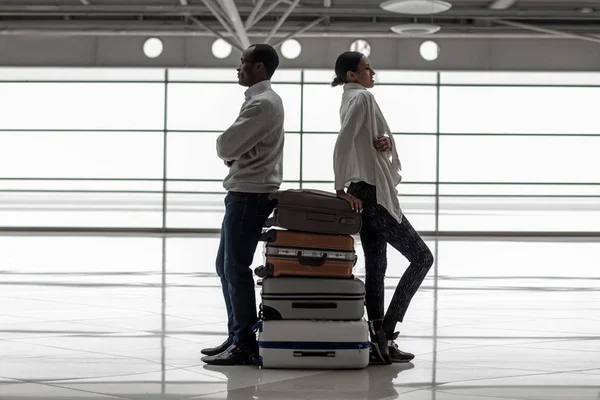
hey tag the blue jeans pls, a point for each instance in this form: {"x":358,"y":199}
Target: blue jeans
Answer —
{"x":245,"y":215}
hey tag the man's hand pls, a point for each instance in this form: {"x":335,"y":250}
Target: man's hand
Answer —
{"x":382,"y":144}
{"x":355,"y":203}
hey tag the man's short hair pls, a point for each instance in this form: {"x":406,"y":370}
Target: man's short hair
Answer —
{"x":268,"y":56}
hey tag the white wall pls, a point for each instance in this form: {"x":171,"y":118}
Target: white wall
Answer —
{"x":456,"y":54}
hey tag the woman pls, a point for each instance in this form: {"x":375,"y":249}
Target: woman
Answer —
{"x":366,"y":161}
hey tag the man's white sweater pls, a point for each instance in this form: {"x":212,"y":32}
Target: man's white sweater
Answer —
{"x":253,"y":146}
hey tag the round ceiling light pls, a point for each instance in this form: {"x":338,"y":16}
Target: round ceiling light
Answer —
{"x":429,"y":50}
{"x":362,"y":46}
{"x":221,"y":49}
{"x":153,"y":47}
{"x":291,"y":49}
{"x":416,"y":7}
{"x":415,"y":29}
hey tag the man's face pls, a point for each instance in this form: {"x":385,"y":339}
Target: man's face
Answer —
{"x":247,"y":69}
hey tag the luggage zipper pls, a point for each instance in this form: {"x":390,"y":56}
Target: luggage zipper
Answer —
{"x":297,"y":252}
{"x":316,"y":249}
{"x":306,"y":297}
{"x":314,"y":345}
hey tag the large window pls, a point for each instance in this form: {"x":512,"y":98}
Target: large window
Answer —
{"x":517,"y":152}
{"x":480,"y":151}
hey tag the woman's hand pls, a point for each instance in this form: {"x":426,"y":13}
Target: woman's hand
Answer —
{"x":382,"y":144}
{"x":354,"y":202}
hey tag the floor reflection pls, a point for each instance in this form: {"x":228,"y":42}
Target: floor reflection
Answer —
{"x":125,"y":318}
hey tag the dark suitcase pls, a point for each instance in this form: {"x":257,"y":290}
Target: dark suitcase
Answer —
{"x":293,"y":253}
{"x":314,"y":211}
{"x":312,"y":298}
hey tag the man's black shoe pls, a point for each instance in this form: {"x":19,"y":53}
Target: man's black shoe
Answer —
{"x":213,"y":351}
{"x":234,"y":355}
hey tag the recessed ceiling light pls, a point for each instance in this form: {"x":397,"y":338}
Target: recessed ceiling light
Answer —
{"x":415,"y":29}
{"x":362,"y":46}
{"x":291,"y":49}
{"x":429,"y":50}
{"x":153,"y":47}
{"x":416,"y":7}
{"x":221,"y":49}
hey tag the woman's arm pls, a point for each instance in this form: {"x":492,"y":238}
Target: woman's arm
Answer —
{"x":353,"y":121}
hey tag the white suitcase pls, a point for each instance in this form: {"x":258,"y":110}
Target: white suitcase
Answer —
{"x":314,"y":344}
{"x":312,"y":298}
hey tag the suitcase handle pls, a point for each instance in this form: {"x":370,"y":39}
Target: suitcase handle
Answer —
{"x":314,"y":305}
{"x":320,"y":217}
{"x":314,"y":354}
{"x":311,"y":261}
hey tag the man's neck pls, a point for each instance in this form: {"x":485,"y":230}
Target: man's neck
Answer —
{"x":256,"y":83}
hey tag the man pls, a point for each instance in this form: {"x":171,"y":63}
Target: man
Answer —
{"x":253,"y":149}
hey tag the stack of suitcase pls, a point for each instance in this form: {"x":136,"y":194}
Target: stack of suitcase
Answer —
{"x":312,"y":306}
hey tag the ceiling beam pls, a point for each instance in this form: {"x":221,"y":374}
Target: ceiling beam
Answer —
{"x":502,"y":4}
{"x":176,"y":27}
{"x":299,"y":31}
{"x":228,"y":40}
{"x":234,"y":16}
{"x":336,"y":30}
{"x":254,"y":12}
{"x":216,"y":9}
{"x":221,"y":10}
{"x":306,"y":11}
{"x":549,"y":31}
{"x":221,"y":20}
{"x":282,"y":20}
{"x":262,"y":14}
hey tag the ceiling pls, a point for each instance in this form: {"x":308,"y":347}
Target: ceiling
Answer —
{"x":282,"y":19}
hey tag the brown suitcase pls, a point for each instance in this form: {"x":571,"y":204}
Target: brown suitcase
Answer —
{"x":293,"y":253}
{"x":314,"y":211}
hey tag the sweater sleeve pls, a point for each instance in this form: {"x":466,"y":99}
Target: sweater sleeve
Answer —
{"x":246,"y":132}
{"x":353,"y":120}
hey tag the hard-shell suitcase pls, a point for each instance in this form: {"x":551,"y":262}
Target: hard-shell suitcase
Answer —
{"x":314,"y":211}
{"x":314,"y":344}
{"x":312,"y":298}
{"x":294,"y":253}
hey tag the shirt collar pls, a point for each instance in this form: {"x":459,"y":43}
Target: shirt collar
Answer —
{"x":353,"y":86}
{"x":257,"y":89}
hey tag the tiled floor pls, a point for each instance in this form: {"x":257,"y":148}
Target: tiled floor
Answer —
{"x":96,"y":318}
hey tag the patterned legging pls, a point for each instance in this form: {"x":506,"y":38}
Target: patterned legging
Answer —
{"x":379,"y":229}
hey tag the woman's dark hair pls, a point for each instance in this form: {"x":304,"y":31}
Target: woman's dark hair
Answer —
{"x":347,"y":61}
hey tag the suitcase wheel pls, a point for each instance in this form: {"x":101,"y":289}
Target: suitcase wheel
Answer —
{"x":264,"y":271}
{"x":260,"y":271}
{"x":269,"y":313}
{"x":256,"y":360}
{"x":268,"y":236}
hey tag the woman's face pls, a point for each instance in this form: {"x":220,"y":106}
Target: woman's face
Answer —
{"x":363,"y":75}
